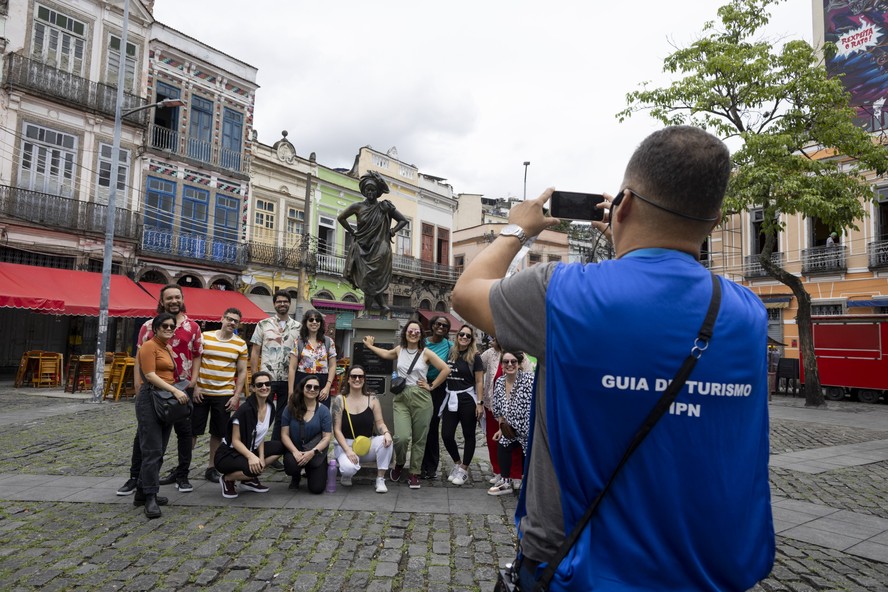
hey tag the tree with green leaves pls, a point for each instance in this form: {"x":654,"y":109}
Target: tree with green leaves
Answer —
{"x":787,"y":113}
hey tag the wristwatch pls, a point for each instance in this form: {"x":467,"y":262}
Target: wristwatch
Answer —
{"x":516,"y":231}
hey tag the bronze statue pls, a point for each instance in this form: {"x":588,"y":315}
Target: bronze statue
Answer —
{"x":368,"y":263}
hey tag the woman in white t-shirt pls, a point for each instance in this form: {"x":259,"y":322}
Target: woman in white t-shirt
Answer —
{"x":412,"y":407}
{"x":244,"y":454}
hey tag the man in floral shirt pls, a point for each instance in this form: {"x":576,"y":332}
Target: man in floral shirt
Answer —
{"x":187,"y":346}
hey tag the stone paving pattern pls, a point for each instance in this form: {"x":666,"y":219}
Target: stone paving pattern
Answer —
{"x":48,"y":545}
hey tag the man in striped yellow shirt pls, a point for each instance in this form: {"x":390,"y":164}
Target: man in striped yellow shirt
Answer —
{"x":220,"y":382}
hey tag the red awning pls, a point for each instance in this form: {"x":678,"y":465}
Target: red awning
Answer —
{"x":69,"y":292}
{"x":209,"y":305}
{"x":455,"y":323}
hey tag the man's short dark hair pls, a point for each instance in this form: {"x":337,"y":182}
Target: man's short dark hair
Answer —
{"x":233,"y":310}
{"x":683,"y":168}
{"x":281,"y":294}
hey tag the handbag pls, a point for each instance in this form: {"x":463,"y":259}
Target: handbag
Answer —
{"x":400,"y":383}
{"x":167,"y":408}
{"x":360,"y":444}
{"x":508,"y":431}
{"x":318,"y":459}
{"x":507,"y":579}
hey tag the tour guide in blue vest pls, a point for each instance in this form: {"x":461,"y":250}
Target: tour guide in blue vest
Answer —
{"x":691,"y":508}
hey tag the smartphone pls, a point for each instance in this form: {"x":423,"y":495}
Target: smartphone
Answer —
{"x":576,"y":206}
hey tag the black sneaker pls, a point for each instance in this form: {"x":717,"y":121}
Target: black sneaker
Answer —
{"x":277,"y":465}
{"x":183,"y":485}
{"x":212,"y":475}
{"x":294,"y":483}
{"x":254,"y":485}
{"x":229,"y":488}
{"x":169,"y":479}
{"x":128,"y":488}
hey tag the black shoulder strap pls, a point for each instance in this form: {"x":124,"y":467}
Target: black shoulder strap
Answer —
{"x":700,"y":345}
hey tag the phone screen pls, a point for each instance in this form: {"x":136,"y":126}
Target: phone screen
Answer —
{"x":576,"y":206}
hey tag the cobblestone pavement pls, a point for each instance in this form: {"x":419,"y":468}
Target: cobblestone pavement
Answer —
{"x":111,"y":546}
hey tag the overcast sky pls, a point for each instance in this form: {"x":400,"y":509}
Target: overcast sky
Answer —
{"x":465,"y":90}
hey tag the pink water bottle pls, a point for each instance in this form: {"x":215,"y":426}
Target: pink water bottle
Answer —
{"x":331,"y":476}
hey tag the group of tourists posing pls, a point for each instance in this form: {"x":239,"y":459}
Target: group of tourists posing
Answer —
{"x":286,"y":419}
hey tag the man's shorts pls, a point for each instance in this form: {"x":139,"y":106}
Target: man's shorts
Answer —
{"x":214,"y":409}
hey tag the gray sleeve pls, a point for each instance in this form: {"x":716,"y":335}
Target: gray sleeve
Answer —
{"x":518,"y":304}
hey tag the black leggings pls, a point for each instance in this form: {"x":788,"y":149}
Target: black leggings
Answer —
{"x":315,"y":473}
{"x":504,"y":457}
{"x":464,"y":416}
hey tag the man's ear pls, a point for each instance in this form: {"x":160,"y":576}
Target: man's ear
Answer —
{"x":717,"y":221}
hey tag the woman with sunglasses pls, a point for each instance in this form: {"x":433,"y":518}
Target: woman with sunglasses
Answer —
{"x":244,"y":454}
{"x":462,"y":405}
{"x":412,"y":407}
{"x":306,"y":430}
{"x":158,"y":372}
{"x":493,"y":370}
{"x":355,"y":413}
{"x":313,"y":355}
{"x":512,"y":395}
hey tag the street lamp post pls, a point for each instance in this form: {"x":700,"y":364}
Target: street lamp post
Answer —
{"x":102,"y":334}
{"x":526,"y":164}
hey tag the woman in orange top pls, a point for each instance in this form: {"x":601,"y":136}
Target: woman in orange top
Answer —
{"x":158,"y":371}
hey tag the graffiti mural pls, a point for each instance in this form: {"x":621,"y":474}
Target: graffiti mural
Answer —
{"x":859,"y":28}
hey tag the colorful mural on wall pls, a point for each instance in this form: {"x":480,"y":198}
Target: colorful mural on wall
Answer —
{"x":859,"y":28}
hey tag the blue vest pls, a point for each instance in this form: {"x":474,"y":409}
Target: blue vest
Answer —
{"x":691,"y":509}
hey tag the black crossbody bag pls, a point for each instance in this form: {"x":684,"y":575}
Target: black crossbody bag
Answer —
{"x":507,"y":580}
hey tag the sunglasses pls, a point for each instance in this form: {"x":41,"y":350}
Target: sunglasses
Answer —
{"x":510,"y":362}
{"x":313,"y":320}
{"x":440,"y":324}
{"x":167,"y":326}
{"x":466,"y":335}
{"x":357,"y":377}
{"x":312,"y":387}
{"x":262,"y":385}
{"x":414,"y":332}
{"x":231,"y":320}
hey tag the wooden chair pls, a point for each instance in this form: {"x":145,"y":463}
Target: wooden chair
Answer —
{"x":120,"y":377}
{"x":80,"y":370}
{"x":27,"y":366}
{"x":49,"y":371}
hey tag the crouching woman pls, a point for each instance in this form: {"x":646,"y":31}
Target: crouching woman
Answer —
{"x":244,"y":454}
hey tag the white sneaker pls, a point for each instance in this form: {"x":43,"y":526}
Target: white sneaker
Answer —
{"x":452,"y":473}
{"x":495,"y":479}
{"x":380,"y":485}
{"x":460,"y":477}
{"x":516,"y":484}
{"x":346,"y":480}
{"x":503,"y":488}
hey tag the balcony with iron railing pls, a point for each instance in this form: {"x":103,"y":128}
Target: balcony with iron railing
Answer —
{"x":65,"y":213}
{"x":877,"y":254}
{"x":427,"y":270}
{"x":292,"y":257}
{"x":49,"y":82}
{"x":173,"y":142}
{"x":752,"y":266}
{"x":824,"y":259}
{"x":194,"y":247}
{"x":331,"y":264}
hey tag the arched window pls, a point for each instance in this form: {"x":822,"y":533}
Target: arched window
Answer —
{"x":441,"y":307}
{"x":153,"y":276}
{"x":190,"y":281}
{"x":425,"y":305}
{"x":260,"y":291}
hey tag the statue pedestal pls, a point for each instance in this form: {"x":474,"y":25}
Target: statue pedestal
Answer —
{"x":378,"y":371}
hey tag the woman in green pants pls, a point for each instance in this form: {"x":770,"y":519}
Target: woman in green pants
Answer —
{"x":412,"y":407}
